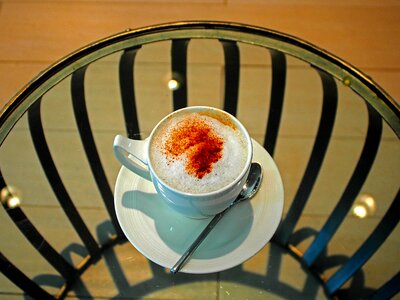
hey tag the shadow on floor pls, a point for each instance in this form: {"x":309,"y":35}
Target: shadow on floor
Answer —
{"x":235,"y":283}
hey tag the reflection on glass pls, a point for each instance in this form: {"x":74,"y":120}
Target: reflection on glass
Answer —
{"x":173,"y":84}
{"x":10,"y":196}
{"x":13,"y":202}
{"x":364,"y":206}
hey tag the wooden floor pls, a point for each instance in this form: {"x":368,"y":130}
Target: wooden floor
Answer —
{"x":34,"y":34}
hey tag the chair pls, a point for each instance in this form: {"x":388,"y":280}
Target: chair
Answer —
{"x":331,"y":129}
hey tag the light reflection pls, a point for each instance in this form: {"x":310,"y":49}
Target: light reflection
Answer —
{"x":364,"y":206}
{"x":10,"y":196}
{"x":173,"y":84}
{"x":13,"y":202}
{"x":360,"y":211}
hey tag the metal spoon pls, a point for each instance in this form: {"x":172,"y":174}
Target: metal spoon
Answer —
{"x":249,"y":189}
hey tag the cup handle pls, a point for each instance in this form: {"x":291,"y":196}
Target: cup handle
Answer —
{"x":132,"y":154}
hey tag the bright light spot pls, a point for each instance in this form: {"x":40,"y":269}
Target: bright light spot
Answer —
{"x":13,"y":202}
{"x":369,"y":201}
{"x":173,"y":84}
{"x":360,"y":211}
{"x":364,"y":206}
{"x":10,"y":196}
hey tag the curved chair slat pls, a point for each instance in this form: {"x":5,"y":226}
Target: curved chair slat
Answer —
{"x":127,"y":88}
{"x":50,"y":169}
{"x":232,"y":74}
{"x":179,"y":49}
{"x":22,"y":281}
{"x":278,"y":84}
{"x":85,"y":132}
{"x":354,"y":186}
{"x":367,"y":249}
{"x":36,"y":239}
{"x":327,"y":120}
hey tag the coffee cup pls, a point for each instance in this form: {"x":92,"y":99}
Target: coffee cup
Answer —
{"x":198,"y":159}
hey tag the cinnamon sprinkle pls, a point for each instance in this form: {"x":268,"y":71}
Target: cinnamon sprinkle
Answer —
{"x":200,"y":144}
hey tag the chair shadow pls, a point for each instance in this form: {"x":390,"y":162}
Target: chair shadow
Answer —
{"x":269,"y":282}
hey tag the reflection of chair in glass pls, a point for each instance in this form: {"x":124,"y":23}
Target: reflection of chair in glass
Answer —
{"x":320,"y":118}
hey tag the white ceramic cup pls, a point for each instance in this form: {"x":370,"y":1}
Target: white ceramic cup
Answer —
{"x":135,"y":155}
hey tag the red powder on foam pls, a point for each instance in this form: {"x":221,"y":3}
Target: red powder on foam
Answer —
{"x":196,"y":139}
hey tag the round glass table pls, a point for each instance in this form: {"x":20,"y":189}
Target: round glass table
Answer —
{"x":70,"y":228}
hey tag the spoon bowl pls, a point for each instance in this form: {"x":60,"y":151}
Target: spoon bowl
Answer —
{"x":252,"y":184}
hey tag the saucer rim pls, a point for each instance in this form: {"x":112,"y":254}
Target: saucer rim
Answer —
{"x":220,"y":263}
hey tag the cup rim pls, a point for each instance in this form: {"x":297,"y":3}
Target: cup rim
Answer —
{"x":220,"y":190}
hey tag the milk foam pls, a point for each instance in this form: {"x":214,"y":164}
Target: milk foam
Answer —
{"x":173,"y":171}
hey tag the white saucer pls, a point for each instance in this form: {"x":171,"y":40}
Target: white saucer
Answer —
{"x":162,"y":235}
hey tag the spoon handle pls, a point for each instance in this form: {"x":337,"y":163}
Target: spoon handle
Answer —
{"x":249,"y":190}
{"x":185,"y":257}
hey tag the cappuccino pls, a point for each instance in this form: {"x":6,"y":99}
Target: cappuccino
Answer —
{"x":198,"y":152}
